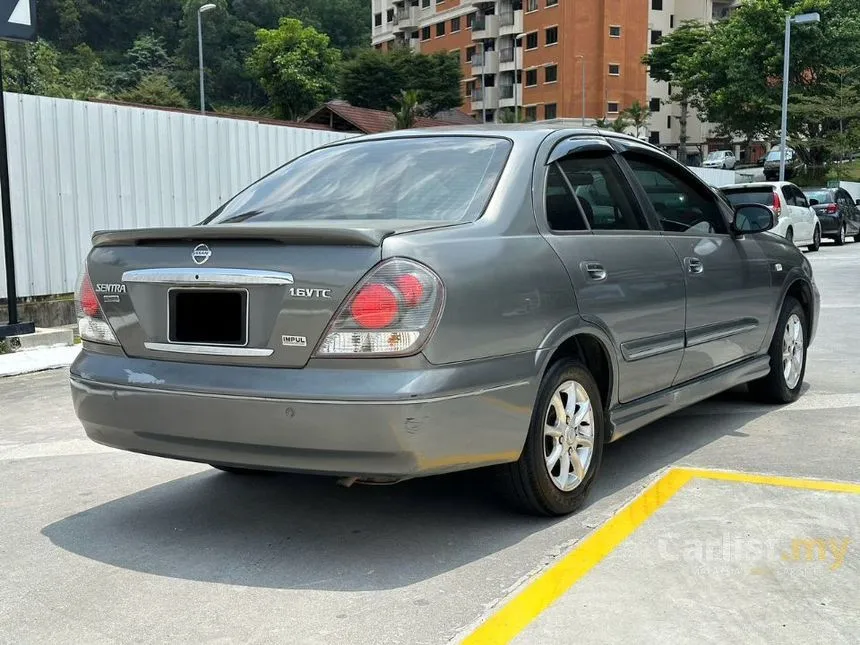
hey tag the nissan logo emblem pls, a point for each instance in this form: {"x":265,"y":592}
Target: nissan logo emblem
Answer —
{"x":201,"y":254}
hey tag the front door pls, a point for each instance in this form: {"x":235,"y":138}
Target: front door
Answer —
{"x":626,"y":277}
{"x":729,"y":297}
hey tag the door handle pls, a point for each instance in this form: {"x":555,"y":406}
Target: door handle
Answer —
{"x":694,"y":265}
{"x":594,"y":270}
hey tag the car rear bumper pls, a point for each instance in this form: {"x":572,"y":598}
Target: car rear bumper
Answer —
{"x":364,"y":423}
{"x":829,"y":225}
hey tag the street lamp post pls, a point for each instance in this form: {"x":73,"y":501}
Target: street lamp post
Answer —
{"x":802,"y":19}
{"x":517,"y":39}
{"x":200,"y":12}
{"x":583,"y":88}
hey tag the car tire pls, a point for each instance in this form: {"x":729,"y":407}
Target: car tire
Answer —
{"x":530,"y":482}
{"x":235,"y":470}
{"x":782,"y":385}
{"x":816,"y":241}
{"x":841,"y":235}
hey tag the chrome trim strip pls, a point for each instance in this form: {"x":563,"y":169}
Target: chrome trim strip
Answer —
{"x":208,"y":276}
{"x":208,"y":350}
{"x":648,"y":352}
{"x":89,"y":383}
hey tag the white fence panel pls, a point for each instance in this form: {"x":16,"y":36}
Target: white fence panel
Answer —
{"x":716,"y":176}
{"x":76,"y":167}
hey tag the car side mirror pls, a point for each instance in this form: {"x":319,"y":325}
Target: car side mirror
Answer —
{"x":752,"y":218}
{"x":813,"y":202}
{"x":857,"y":202}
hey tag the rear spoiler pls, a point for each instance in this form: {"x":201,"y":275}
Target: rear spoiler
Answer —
{"x":284,"y":234}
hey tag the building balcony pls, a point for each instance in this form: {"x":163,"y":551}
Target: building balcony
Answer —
{"x":485,"y":27}
{"x":485,"y":63}
{"x":510,"y":59}
{"x":509,"y":95}
{"x":407,"y":18}
{"x":485,"y":97}
{"x":511,"y":23}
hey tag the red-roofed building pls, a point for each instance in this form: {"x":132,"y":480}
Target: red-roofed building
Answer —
{"x":341,"y":116}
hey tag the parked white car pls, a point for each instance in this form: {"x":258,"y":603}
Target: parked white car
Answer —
{"x":794,"y":218}
{"x":724,"y":159}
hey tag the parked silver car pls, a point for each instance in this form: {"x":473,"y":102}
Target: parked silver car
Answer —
{"x":429,"y":301}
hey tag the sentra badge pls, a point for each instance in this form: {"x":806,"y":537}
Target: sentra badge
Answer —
{"x":110,"y":288}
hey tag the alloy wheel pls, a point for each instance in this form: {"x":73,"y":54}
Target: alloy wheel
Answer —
{"x":568,"y":436}
{"x":792,"y":351}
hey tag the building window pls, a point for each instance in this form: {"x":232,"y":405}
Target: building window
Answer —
{"x":654,"y":137}
{"x":654,"y":105}
{"x":615,"y":70}
{"x":656,"y":36}
{"x":672,"y":21}
{"x":657,"y":5}
{"x":377,"y":20}
{"x":550,"y":111}
{"x":551,"y":73}
{"x":532,"y":40}
{"x":470,"y":54}
{"x":440,"y":29}
{"x":615,"y":31}
{"x":531,"y":77}
{"x":470,"y":19}
{"x":551,"y":35}
{"x":425,"y":4}
{"x":551,"y":3}
{"x":416,"y":35}
{"x":532,"y":5}
{"x":669,"y":121}
{"x":389,"y":16}
{"x":612,"y":107}
{"x":531,"y":113}
{"x":455,"y":25}
{"x":470,"y":88}
{"x":425,"y":33}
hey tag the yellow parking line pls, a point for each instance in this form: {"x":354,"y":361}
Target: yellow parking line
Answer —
{"x":529,"y":603}
{"x":774,"y":480}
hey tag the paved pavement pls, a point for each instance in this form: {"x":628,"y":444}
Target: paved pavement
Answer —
{"x":101,"y":546}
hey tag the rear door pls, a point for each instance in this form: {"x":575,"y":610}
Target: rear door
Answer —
{"x":850,"y":210}
{"x":803,"y":217}
{"x":626,"y":277}
{"x":729,"y":295}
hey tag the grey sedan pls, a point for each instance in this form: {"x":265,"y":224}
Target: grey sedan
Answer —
{"x":423,"y":302}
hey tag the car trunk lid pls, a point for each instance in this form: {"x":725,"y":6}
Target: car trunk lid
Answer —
{"x":233,"y":294}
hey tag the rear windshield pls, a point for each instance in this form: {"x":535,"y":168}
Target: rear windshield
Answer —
{"x":738,"y":197}
{"x":823,"y":196}
{"x":426,"y":178}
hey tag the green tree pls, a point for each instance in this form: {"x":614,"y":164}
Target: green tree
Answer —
{"x":296,"y":66}
{"x":620,"y":125}
{"x":673,"y":62}
{"x":38,"y":68}
{"x":638,"y":116}
{"x":155,"y":89}
{"x":373,"y":79}
{"x":407,"y":109}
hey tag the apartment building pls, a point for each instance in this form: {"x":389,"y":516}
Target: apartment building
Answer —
{"x":664,"y":17}
{"x":536,"y":54}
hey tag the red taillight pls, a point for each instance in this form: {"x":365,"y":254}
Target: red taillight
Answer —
{"x":89,"y":301}
{"x":411,"y":288}
{"x":832,"y":209}
{"x":777,"y":205}
{"x":375,"y":306}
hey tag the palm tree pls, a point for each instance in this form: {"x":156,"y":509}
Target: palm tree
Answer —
{"x":407,"y":109}
{"x":620,"y":124}
{"x":639,"y":115}
{"x":603,"y":124}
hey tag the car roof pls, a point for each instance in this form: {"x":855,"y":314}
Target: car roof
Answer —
{"x":533,"y":132}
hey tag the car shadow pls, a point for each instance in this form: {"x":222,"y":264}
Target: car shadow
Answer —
{"x":296,"y":532}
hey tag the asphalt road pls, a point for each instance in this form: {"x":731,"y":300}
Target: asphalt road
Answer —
{"x":101,"y":546}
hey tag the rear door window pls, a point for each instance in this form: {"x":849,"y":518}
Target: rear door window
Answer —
{"x":595,"y":191}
